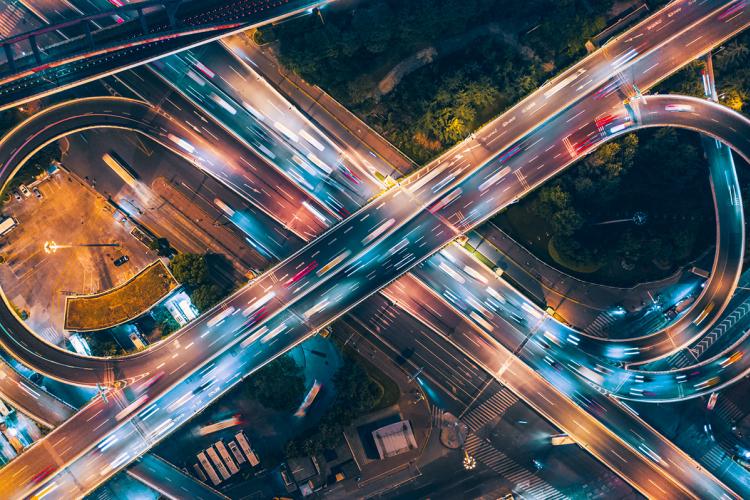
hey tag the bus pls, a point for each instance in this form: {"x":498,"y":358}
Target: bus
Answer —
{"x":302,"y":410}
{"x":236,"y":452}
{"x":219,"y":445}
{"x":121,"y":168}
{"x":7,"y":225}
{"x":561,"y":439}
{"x":712,"y":401}
{"x":199,"y":473}
{"x":218,"y":463}
{"x":218,"y":426}
{"x":245,"y":446}
{"x":208,"y":468}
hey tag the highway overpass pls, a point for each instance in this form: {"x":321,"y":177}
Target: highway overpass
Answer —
{"x":460,"y":165}
{"x":144,"y":32}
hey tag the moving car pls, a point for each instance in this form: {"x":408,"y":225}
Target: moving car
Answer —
{"x":680,"y":108}
{"x":24,"y":190}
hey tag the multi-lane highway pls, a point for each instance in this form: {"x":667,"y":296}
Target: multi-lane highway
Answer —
{"x":237,"y":321}
{"x":48,"y":410}
{"x":430,"y":228}
{"x":131,"y":42}
{"x":299,"y":152}
{"x":461,"y":163}
{"x":598,"y":423}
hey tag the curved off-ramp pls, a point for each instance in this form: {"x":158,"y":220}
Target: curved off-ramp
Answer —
{"x":56,"y":122}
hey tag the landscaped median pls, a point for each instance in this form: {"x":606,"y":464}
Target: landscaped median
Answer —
{"x":112,"y":307}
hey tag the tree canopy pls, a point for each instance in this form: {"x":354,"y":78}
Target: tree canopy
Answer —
{"x":200,"y":274}
{"x":660,"y":173}
{"x":356,"y":394}
{"x":280,"y":385}
{"x":440,"y":104}
{"x":190,"y":269}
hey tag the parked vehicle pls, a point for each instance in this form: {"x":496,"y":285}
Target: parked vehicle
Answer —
{"x":7,"y":225}
{"x":121,"y":260}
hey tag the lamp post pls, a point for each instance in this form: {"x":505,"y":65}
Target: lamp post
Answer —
{"x":469,"y":462}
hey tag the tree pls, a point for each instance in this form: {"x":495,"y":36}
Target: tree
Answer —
{"x":733,"y":98}
{"x":190,"y":269}
{"x":566,"y":222}
{"x":734,"y":52}
{"x":164,"y":319}
{"x":280,"y":385}
{"x":206,"y":295}
{"x":103,"y":344}
{"x":161,"y":247}
{"x":360,"y":89}
{"x":374,"y":26}
{"x":550,"y":199}
{"x":356,"y":394}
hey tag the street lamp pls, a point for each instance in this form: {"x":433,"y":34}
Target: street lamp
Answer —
{"x":469,"y":462}
{"x":52,"y":247}
{"x":415,"y":374}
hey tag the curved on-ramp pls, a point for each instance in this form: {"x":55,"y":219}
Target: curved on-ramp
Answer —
{"x":733,"y":129}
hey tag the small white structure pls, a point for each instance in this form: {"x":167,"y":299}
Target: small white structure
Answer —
{"x":394,"y":439}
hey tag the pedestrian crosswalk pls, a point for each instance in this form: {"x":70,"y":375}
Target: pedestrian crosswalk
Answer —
{"x":51,"y":335}
{"x":729,"y":411}
{"x":727,"y":324}
{"x":436,"y":415}
{"x":492,"y":408}
{"x":598,"y":327}
{"x":713,"y":459}
{"x":12,"y":19}
{"x":680,"y":359}
{"x":525,"y":482}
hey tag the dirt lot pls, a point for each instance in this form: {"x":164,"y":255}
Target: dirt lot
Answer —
{"x":69,"y":213}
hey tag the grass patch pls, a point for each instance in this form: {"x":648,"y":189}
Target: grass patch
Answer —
{"x":120,"y":304}
{"x":479,"y":256}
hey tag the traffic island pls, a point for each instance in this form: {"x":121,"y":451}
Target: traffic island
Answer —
{"x":85,"y":313}
{"x":453,"y":432}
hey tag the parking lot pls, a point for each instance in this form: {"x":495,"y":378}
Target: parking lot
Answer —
{"x":69,"y":213}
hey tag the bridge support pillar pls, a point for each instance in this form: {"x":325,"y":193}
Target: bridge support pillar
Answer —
{"x":9,"y":55}
{"x":172,"y":14}
{"x":142,"y":19}
{"x":89,"y":37}
{"x":35,"y":49}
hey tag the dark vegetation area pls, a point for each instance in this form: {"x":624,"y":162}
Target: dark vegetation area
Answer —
{"x":657,"y":174}
{"x":163,"y":321}
{"x":473,"y":76}
{"x":280,"y":385}
{"x":103,"y":344}
{"x":205,"y":277}
{"x":359,"y":388}
{"x":664,"y":176}
{"x":490,"y":53}
{"x":356,"y":394}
